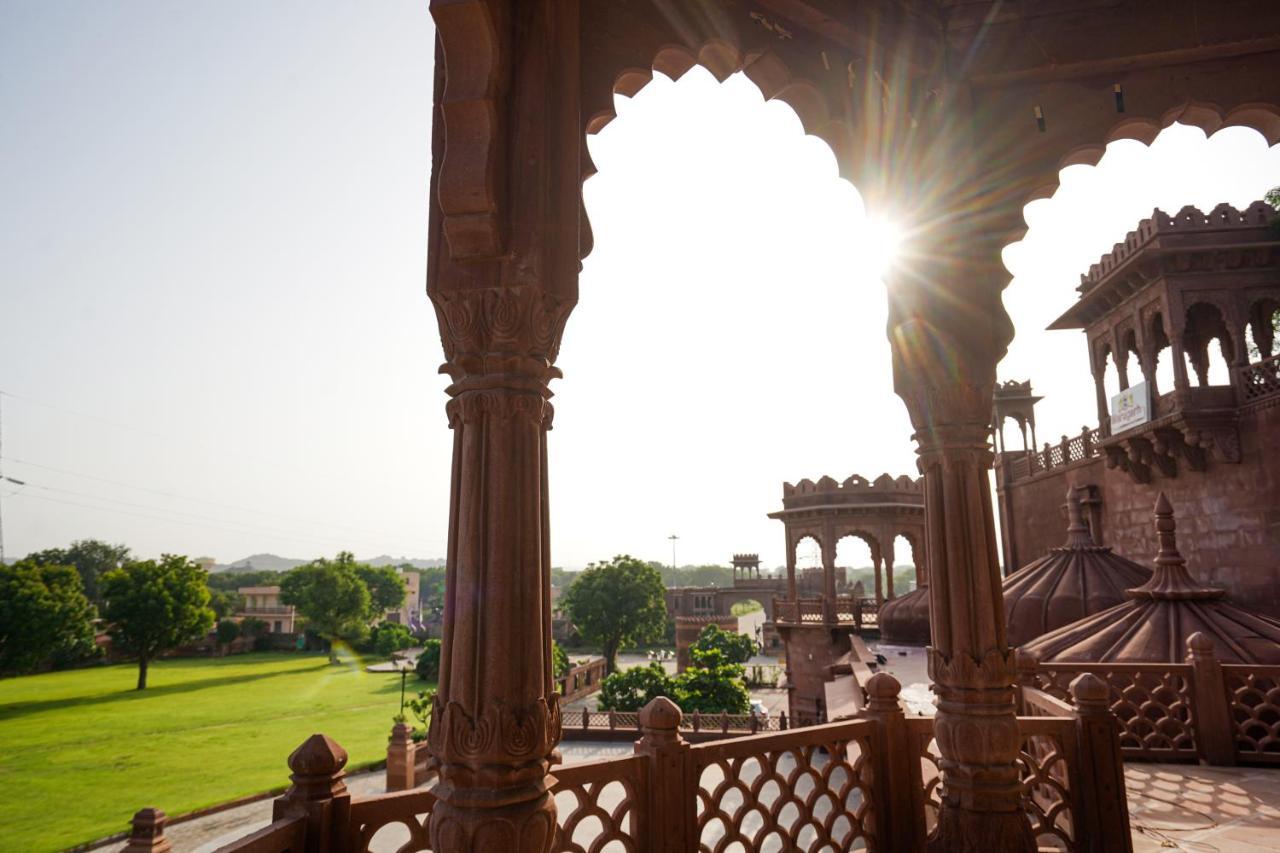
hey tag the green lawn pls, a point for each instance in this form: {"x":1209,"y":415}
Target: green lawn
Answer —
{"x":81,"y":751}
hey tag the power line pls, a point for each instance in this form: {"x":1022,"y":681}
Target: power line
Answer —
{"x":201,"y":522}
{"x":179,"y":496}
{"x":259,"y":458}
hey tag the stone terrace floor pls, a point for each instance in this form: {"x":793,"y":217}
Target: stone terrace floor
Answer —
{"x":1185,"y":807}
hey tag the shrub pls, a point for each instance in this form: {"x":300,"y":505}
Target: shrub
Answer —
{"x":390,"y":637}
{"x":560,"y":662}
{"x":428,"y":666}
{"x":632,"y":689}
{"x":227,"y":632}
{"x":711,"y":685}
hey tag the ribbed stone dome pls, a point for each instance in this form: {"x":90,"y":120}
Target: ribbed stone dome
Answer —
{"x":904,"y":620}
{"x":1159,"y":617}
{"x":1069,"y":583}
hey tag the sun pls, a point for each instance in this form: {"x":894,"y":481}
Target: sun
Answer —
{"x":881,"y":241}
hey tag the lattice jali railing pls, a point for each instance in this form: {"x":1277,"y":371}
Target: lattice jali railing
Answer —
{"x":1253,"y":695}
{"x":409,"y":809}
{"x":1260,"y":380}
{"x":1047,"y":761}
{"x":597,"y":805}
{"x":925,"y":748}
{"x":810,"y":789}
{"x":1152,"y":701}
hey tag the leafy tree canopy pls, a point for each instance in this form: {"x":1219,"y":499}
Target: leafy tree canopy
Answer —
{"x":560,"y":662}
{"x":225,"y":603}
{"x":712,"y":684}
{"x":431,"y":591}
{"x":736,"y":648}
{"x":44,"y":616}
{"x":331,"y":597}
{"x":92,"y":558}
{"x":386,"y":587}
{"x":617,"y":603}
{"x":231,"y":581}
{"x":152,"y":606}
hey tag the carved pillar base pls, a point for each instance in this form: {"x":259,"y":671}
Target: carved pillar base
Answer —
{"x":977,"y":732}
{"x":525,"y":827}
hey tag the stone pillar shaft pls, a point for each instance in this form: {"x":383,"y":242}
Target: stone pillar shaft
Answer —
{"x":948,"y":331}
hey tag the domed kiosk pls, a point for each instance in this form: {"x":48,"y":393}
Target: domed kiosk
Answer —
{"x":1155,"y":623}
{"x":1073,"y":581}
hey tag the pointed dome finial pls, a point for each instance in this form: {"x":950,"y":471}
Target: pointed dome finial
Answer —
{"x":1171,"y":578}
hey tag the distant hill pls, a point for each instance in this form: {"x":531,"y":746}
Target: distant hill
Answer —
{"x":260,"y":563}
{"x":387,"y":560}
{"x":274,"y":563}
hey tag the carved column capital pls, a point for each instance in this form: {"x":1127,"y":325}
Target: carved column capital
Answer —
{"x":504,"y":330}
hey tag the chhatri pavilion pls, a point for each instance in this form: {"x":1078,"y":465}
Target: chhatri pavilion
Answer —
{"x":949,"y":116}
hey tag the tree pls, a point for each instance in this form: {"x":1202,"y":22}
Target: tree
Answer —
{"x":712,"y":684}
{"x":224,"y":602}
{"x":736,"y":648}
{"x":227,"y":632}
{"x":331,"y":597}
{"x":632,"y":689}
{"x":386,"y":587}
{"x":232,"y":581}
{"x":44,"y":616}
{"x":154,"y":606}
{"x":431,"y":591}
{"x":92,"y":558}
{"x":390,"y":637}
{"x":615,"y":603}
{"x":428,"y":665}
{"x":560,"y":663}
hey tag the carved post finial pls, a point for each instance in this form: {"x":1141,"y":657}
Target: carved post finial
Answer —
{"x":882,"y":692}
{"x":671,"y":793}
{"x":1089,"y":694}
{"x":147,"y":832}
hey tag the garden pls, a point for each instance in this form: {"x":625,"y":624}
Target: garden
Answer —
{"x":82,"y":750}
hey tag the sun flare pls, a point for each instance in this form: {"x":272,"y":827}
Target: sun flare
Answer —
{"x":881,"y":242}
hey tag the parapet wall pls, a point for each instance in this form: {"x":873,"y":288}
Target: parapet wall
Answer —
{"x":1189,"y":222}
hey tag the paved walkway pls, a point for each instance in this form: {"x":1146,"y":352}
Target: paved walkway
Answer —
{"x":1186,"y":807}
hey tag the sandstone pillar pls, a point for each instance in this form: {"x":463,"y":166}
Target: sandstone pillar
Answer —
{"x":828,"y":573}
{"x":791,"y":568}
{"x":875,"y":565}
{"x":504,"y":247}
{"x":887,"y":549}
{"x":948,"y":330}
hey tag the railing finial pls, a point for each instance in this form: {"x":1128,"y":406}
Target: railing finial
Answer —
{"x":147,"y":832}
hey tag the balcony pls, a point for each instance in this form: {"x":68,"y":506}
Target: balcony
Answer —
{"x":268,"y":610}
{"x":846,"y":610}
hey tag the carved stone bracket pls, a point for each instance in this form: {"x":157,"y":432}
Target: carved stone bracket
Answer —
{"x":1159,"y":446}
{"x":470,"y":178}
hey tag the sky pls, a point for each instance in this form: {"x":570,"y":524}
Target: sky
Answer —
{"x":216,"y":339}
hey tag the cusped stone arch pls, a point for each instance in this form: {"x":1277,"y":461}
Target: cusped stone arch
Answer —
{"x":1208,"y":117}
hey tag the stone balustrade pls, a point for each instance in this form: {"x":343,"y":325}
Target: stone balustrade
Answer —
{"x":870,"y":782}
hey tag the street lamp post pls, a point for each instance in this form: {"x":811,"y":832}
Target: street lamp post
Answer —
{"x":673,"y":539}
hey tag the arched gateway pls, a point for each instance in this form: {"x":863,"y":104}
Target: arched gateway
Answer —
{"x":955,"y":115}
